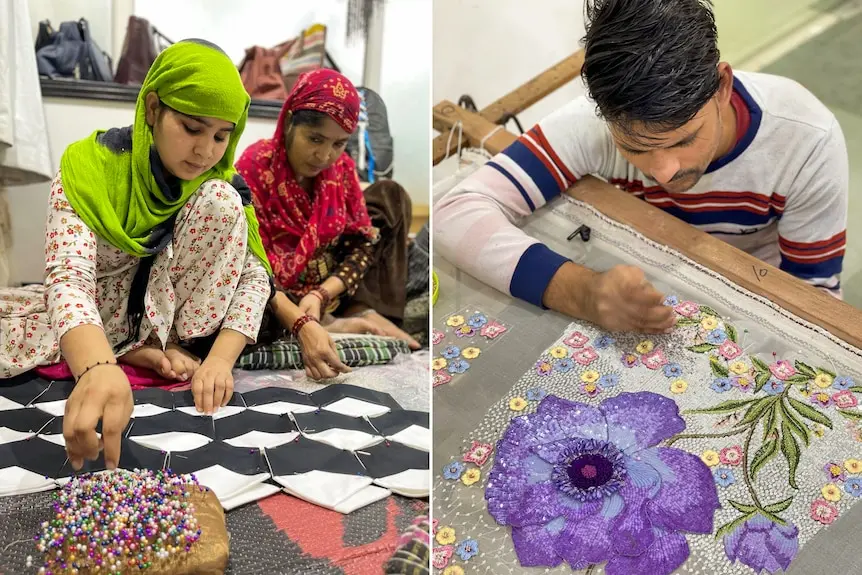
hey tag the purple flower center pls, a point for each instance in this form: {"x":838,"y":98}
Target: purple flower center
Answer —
{"x":588,"y":469}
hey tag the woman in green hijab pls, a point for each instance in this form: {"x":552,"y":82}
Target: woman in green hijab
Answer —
{"x":152,"y":242}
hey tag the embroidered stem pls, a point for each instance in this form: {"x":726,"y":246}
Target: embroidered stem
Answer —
{"x":731,"y":433}
{"x":745,"y":470}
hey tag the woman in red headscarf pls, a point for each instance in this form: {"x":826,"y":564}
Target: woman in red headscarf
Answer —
{"x":313,"y":217}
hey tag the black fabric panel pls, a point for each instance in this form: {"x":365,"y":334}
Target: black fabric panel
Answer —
{"x":267,"y":395}
{"x":238,"y":459}
{"x":307,"y":455}
{"x":246,"y":421}
{"x":172,"y":421}
{"x":333,"y":393}
{"x":34,"y":454}
{"x":132,"y":456}
{"x":26,"y":388}
{"x":160,"y":397}
{"x":317,"y":421}
{"x":395,"y":421}
{"x":25,"y":419}
{"x":58,"y":390}
{"x":385,"y":459}
{"x":187,"y":399}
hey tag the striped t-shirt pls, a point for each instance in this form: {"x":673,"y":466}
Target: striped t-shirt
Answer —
{"x":780,"y":194}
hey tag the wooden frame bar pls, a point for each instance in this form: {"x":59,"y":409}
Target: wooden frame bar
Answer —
{"x":805,"y":301}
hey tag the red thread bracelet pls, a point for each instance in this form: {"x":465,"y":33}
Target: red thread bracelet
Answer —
{"x":299,"y":323}
{"x":323,"y":295}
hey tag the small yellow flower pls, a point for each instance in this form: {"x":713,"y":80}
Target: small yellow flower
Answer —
{"x":645,"y":347}
{"x":590,"y":376}
{"x":471,"y":352}
{"x":831,"y":492}
{"x":709,"y":323}
{"x":738,"y":367}
{"x":853,"y":466}
{"x":823,"y":380}
{"x":446,"y":536}
{"x":818,"y":430}
{"x":517,"y":403}
{"x":439,"y":363}
{"x":465,"y":329}
{"x":453,"y":570}
{"x":590,"y":388}
{"x":679,"y":386}
{"x":470,"y":477}
{"x":710,"y":457}
{"x":559,"y":352}
{"x":455,"y":321}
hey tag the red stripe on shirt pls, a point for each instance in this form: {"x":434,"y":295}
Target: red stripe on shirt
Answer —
{"x":536,"y":132}
{"x":544,"y":159}
{"x":813,"y":248}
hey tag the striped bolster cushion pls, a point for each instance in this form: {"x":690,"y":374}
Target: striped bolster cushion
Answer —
{"x":354,"y":351}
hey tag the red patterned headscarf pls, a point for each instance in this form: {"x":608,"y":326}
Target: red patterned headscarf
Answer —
{"x":294,"y":225}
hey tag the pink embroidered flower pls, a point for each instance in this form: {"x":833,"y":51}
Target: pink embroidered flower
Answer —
{"x":823,"y":512}
{"x":729,"y":350}
{"x":782,"y":369}
{"x":654,"y":360}
{"x":731,"y":455}
{"x":441,"y":378}
{"x":478,"y":453}
{"x":585,"y":356}
{"x":844,"y":399}
{"x":437,"y":336}
{"x":577,"y":340}
{"x":544,"y":367}
{"x":687,"y":308}
{"x":434,"y":524}
{"x":629,"y":359}
{"x":745,"y":383}
{"x":442,"y":555}
{"x":821,"y":398}
{"x":492,"y":329}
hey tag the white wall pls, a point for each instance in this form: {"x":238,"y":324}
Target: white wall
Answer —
{"x":97,"y":12}
{"x":487,"y":49}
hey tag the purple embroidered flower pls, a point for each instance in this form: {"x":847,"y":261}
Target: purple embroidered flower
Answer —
{"x":564,"y":365}
{"x":843,"y":382}
{"x":609,"y":380}
{"x":451,"y":352}
{"x":465,"y":331}
{"x":773,"y":386}
{"x":854,"y":487}
{"x":671,"y":301}
{"x":672,"y":370}
{"x":721,"y":385}
{"x":467,"y":549}
{"x":458,"y":366}
{"x":477,"y":320}
{"x":536,"y":394}
{"x":453,"y":470}
{"x":834,"y":471}
{"x":544,"y":367}
{"x":821,"y":398}
{"x":763,"y":545}
{"x":437,"y":336}
{"x":744,"y":383}
{"x":587,"y":485}
{"x":630,"y":359}
{"x":724,"y":476}
{"x":604,"y":341}
{"x":716,"y":336}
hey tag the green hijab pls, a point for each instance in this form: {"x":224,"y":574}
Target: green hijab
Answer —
{"x":115,"y":192}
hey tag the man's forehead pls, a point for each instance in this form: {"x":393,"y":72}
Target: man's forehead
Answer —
{"x":644,"y":136}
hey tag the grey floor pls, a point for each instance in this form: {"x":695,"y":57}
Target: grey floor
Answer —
{"x":830,"y":66}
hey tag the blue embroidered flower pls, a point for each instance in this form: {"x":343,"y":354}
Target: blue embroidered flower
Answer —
{"x":609,"y":380}
{"x":451,"y":352}
{"x":458,"y":366}
{"x":477,"y":320}
{"x":564,"y":365}
{"x":717,"y":337}
{"x":721,"y":385}
{"x":843,"y":382}
{"x":603,"y":342}
{"x":672,"y":370}
{"x":467,"y":549}
{"x":536,"y":394}
{"x":724,"y":477}
{"x":671,"y":300}
{"x":853,"y":486}
{"x":453,"y":470}
{"x":773,"y":386}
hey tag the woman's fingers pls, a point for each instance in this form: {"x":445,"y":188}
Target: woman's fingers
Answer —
{"x":73,"y":406}
{"x":84,"y":429}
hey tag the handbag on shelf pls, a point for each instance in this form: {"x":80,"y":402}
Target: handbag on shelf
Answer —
{"x":261,"y":73}
{"x":71,"y":52}
{"x":142,"y":44}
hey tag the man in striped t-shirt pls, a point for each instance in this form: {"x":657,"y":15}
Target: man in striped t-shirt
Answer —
{"x":754,"y":159}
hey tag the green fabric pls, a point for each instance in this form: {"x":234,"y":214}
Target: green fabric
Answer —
{"x":116,"y":194}
{"x":354,"y":351}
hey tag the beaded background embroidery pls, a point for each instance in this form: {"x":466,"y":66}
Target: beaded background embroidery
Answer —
{"x":813,"y":369}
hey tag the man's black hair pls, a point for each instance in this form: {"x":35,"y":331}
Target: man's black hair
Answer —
{"x":650,"y":62}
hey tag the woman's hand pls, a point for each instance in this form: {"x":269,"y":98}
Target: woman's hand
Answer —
{"x":212,"y":384}
{"x":102,"y":393}
{"x":318,"y":352}
{"x":310,"y":305}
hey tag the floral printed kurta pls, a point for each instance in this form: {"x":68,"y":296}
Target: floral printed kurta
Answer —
{"x":205,"y":280}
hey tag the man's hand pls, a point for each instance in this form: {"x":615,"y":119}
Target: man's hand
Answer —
{"x":620,"y":299}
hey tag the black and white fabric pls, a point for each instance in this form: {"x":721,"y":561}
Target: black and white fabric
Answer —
{"x":342,"y":447}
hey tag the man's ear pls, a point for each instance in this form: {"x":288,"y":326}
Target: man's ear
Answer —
{"x":725,"y":83}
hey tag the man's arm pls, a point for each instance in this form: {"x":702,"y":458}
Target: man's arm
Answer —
{"x":812,"y":228}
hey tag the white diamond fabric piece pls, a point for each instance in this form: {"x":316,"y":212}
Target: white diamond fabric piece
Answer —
{"x":172,"y":441}
{"x":147,"y":410}
{"x":361,"y":498}
{"x":323,"y":488}
{"x":410,"y":483}
{"x":55,"y":408}
{"x":282,"y":407}
{"x":10,"y":435}
{"x":415,"y":436}
{"x":262,"y":439}
{"x":345,"y":438}
{"x":253,"y":493}
{"x":18,"y":481}
{"x":356,"y":408}
{"x":6,"y":404}
{"x":226,"y":411}
{"x":226,"y":483}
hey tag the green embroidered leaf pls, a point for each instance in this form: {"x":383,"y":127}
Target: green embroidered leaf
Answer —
{"x":731,"y":332}
{"x":795,"y":424}
{"x":780,"y":506}
{"x":804,"y":369}
{"x":702,"y":347}
{"x":853,"y":415}
{"x":717,"y":368}
{"x":790,"y":450}
{"x":798,"y":378}
{"x":708,"y":311}
{"x":774,"y":518}
{"x":766,"y":452}
{"x":686,"y":322}
{"x":826,"y":371}
{"x":757,"y":409}
{"x":809,"y":412}
{"x":742,"y":507}
{"x":732,"y":526}
{"x":759,"y":365}
{"x":770,"y":422}
{"x":724,"y":407}
{"x":760,"y":380}
{"x":856,"y":389}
